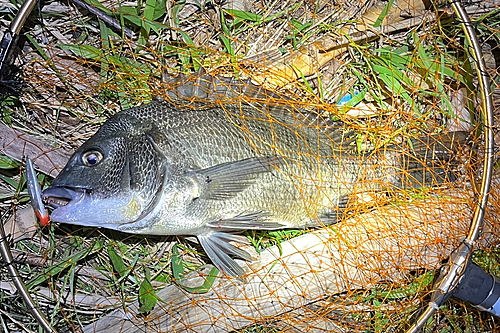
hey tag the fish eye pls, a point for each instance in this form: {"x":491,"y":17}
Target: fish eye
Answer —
{"x":92,"y":157}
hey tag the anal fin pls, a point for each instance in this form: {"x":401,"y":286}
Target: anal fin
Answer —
{"x":249,"y":221}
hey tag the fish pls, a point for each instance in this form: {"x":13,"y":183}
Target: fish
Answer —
{"x":212,"y":169}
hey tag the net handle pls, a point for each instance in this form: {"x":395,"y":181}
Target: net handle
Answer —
{"x":459,"y":259}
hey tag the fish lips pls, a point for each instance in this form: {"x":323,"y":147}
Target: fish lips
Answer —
{"x":78,"y":206}
{"x":60,"y":196}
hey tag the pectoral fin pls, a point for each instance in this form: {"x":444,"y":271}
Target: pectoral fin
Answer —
{"x":218,"y":247}
{"x":226,"y":180}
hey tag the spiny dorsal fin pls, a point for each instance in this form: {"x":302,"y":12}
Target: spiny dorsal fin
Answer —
{"x":202,"y":89}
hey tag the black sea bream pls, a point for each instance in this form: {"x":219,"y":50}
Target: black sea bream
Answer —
{"x":212,"y":170}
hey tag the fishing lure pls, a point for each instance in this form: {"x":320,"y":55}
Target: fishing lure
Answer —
{"x":35,"y":193}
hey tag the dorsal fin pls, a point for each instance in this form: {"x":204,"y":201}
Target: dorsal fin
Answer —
{"x":210,"y":88}
{"x":204,"y":89}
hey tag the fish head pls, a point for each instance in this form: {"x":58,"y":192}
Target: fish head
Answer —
{"x":112,"y":179}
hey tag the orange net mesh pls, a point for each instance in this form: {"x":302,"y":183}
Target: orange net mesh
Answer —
{"x":389,"y":84}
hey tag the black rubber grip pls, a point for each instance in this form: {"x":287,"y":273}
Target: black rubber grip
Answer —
{"x":478,"y":287}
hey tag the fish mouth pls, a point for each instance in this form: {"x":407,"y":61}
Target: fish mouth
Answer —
{"x":81,"y":206}
{"x":57,"y":197}
{"x":87,"y":207}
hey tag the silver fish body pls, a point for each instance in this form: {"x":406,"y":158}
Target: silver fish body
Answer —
{"x":218,"y":169}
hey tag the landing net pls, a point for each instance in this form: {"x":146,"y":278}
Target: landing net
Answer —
{"x":391,"y":79}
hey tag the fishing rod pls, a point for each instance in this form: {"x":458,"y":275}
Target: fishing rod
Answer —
{"x":7,"y":44}
{"x":12,"y":34}
{"x":461,"y":278}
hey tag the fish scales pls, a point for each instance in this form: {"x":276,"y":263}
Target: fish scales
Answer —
{"x":218,"y":169}
{"x":209,"y":139}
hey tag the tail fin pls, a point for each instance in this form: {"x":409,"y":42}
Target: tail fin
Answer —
{"x":428,"y":161}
